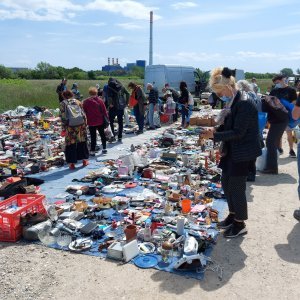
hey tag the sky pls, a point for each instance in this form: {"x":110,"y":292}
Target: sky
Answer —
{"x":254,"y":35}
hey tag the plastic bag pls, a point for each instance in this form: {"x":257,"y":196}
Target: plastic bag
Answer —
{"x":261,"y":160}
{"x":108,"y":133}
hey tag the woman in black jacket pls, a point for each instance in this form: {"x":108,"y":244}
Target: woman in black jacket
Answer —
{"x":238,"y":133}
{"x":184,"y":101}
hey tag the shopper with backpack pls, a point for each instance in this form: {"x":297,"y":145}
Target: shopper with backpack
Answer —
{"x":117,"y":97}
{"x":74,"y":130}
{"x":97,"y":119}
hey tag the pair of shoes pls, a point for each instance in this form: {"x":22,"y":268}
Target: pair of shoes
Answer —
{"x":292,"y":153}
{"x":157,"y":126}
{"x":251,"y":178}
{"x":280,"y":150}
{"x":111,"y":140}
{"x":236,"y":229}
{"x":104,"y":151}
{"x":226,"y":223}
{"x":139,"y":132}
{"x":85,"y":163}
{"x":269,"y":171}
{"x":297,"y":214}
{"x":71,"y":166}
{"x":92,"y":153}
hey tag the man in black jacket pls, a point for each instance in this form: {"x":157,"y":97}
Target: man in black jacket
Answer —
{"x":152,"y":99}
{"x":283,"y":91}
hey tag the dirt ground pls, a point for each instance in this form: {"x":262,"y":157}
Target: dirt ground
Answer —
{"x":262,"y":265}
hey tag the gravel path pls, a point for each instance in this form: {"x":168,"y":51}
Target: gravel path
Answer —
{"x":262,"y":265}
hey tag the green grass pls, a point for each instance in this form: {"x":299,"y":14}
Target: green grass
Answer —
{"x":264,"y":84}
{"x":14,"y":92}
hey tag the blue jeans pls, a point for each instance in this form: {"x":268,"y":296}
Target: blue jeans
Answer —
{"x":190,"y":112}
{"x":151,"y":114}
{"x":184,"y":115}
{"x":298,"y":162}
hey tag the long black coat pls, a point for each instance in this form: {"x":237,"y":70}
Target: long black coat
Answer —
{"x":240,"y":131}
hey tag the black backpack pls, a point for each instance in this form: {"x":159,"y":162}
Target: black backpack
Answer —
{"x":115,"y":92}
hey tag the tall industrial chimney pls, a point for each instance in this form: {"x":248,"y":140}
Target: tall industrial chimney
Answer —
{"x":151,"y":40}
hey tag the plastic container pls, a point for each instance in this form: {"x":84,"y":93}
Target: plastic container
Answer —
{"x":186,"y":206}
{"x":11,"y":211}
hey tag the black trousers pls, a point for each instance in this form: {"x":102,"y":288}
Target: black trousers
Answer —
{"x":119,"y":113}
{"x":235,"y":192}
{"x":273,"y":140}
{"x":93,"y":133}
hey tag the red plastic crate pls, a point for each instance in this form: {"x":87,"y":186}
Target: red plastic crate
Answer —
{"x":10,"y":227}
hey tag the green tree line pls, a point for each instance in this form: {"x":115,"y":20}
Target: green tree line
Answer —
{"x":44,"y":70}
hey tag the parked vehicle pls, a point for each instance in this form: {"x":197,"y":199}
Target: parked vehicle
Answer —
{"x":159,"y":75}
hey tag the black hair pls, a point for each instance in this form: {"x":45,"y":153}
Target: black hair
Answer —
{"x":226,"y":72}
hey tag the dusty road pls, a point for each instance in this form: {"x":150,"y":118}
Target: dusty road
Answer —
{"x":262,"y":265}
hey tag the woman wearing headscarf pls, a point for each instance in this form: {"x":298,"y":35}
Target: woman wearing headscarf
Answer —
{"x":238,"y":133}
{"x":75,"y":136}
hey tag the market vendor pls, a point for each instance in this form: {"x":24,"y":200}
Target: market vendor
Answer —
{"x":238,"y":133}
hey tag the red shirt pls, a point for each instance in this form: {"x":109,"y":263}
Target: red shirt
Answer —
{"x":95,"y":111}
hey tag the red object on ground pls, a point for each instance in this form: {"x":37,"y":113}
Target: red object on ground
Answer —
{"x":13,"y":179}
{"x":164,"y":118}
{"x":10,"y":227}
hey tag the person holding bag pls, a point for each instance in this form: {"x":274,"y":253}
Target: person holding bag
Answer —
{"x":278,"y":119}
{"x":74,"y":130}
{"x":138,"y":101}
{"x":97,"y":119}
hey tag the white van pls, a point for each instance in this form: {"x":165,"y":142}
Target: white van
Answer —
{"x":159,"y":75}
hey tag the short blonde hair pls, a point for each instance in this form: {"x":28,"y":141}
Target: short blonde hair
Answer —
{"x":93,"y":91}
{"x":219,"y":78}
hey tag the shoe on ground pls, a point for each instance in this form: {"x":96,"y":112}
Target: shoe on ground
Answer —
{"x":151,"y":128}
{"x":280,"y":150}
{"x":269,"y":171}
{"x":297,"y":214}
{"x":251,"y":178}
{"x":237,"y":229}
{"x":292,"y":153}
{"x":85,"y":163}
{"x":139,"y":132}
{"x":226,"y":223}
{"x":71,"y":166}
{"x":104,"y":151}
{"x":120,"y":140}
{"x":92,"y":153}
{"x":111,"y":140}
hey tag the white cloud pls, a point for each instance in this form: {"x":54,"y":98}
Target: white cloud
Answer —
{"x":66,"y":10}
{"x":129,"y":26}
{"x":127,"y":8}
{"x":183,"y":5}
{"x":113,"y":40}
{"x":265,"y":34}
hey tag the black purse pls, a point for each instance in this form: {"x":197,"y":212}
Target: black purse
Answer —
{"x":105,"y":118}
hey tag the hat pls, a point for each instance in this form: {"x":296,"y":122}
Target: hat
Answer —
{"x":75,"y":84}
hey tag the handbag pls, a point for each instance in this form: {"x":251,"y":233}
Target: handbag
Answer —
{"x":105,"y":118}
{"x":132,"y":100}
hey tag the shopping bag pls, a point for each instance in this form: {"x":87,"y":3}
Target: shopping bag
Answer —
{"x":261,"y":160}
{"x":132,"y":101}
{"x":108,"y":133}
